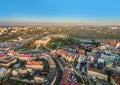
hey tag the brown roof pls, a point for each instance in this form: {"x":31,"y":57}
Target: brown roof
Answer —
{"x":116,"y":78}
{"x":66,"y":79}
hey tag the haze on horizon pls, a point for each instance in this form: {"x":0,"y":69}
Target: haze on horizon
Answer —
{"x":86,"y":12}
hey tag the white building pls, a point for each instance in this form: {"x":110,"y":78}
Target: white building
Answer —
{"x":38,"y":79}
{"x":21,"y":71}
{"x":4,"y":72}
{"x":118,"y":45}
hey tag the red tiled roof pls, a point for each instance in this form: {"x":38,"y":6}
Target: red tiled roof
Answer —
{"x":2,"y":55}
{"x":52,"y":63}
{"x":73,"y":57}
{"x":11,"y":52}
{"x":116,"y":78}
{"x":34,"y":63}
{"x":81,"y":51}
{"x":66,"y":79}
{"x":113,"y":43}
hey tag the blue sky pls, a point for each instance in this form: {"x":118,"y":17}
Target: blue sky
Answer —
{"x":60,"y":10}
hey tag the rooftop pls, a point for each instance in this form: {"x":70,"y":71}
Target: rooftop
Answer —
{"x":116,"y":78}
{"x":2,"y":69}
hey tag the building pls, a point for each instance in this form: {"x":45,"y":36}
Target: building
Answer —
{"x":38,"y":79}
{"x":35,"y":64}
{"x":52,"y":65}
{"x":115,"y":79}
{"x":25,"y":56}
{"x":72,"y":58}
{"x":69,"y":56}
{"x":82,"y":51}
{"x":11,"y":52}
{"x":49,"y":59}
{"x":7,"y":61}
{"x":118,"y":45}
{"x":15,"y":73}
{"x":66,"y":79}
{"x":21,"y":71}
{"x":4,"y":72}
{"x":43,"y":41}
{"x":2,"y":56}
{"x":95,"y":50}
{"x":113,"y":43}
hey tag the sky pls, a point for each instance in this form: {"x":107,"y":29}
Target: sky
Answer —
{"x":80,"y":11}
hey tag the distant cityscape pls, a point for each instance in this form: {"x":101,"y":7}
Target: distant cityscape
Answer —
{"x":59,"y":55}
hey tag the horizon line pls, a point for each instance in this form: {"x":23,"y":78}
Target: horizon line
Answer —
{"x":54,"y":21}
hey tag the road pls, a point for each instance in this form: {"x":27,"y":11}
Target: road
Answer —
{"x":59,"y":71}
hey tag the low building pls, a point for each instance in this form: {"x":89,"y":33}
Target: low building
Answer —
{"x":114,"y":43}
{"x":72,"y":58}
{"x":94,"y":50}
{"x":43,"y":41}
{"x":15,"y":73}
{"x":103,"y":47}
{"x":38,"y":79}
{"x":25,"y":56}
{"x":49,"y":59}
{"x":118,"y":45}
{"x":115,"y":79}
{"x":21,"y":71}
{"x":7,"y":61}
{"x":11,"y":52}
{"x":52,"y":65}
{"x":97,"y":74}
{"x":2,"y":56}
{"x":66,"y":79}
{"x":35,"y":64}
{"x":4,"y":72}
{"x":82,"y":51}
